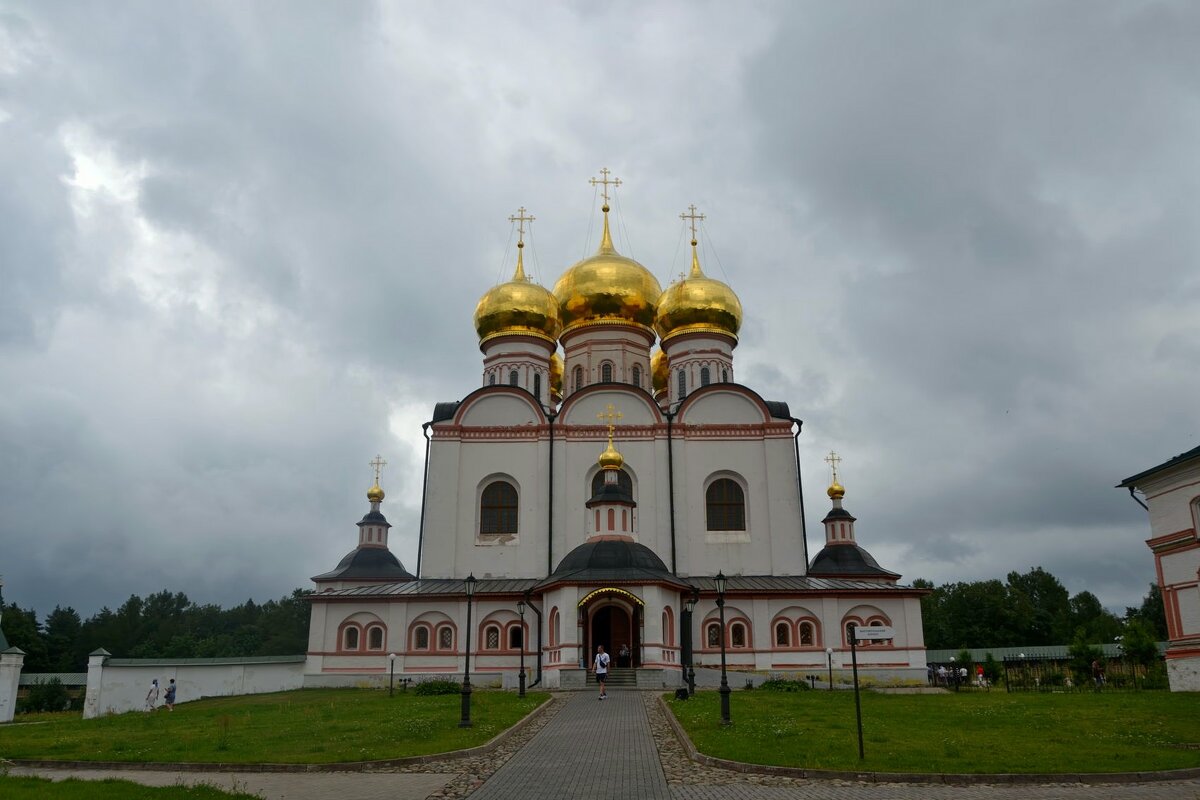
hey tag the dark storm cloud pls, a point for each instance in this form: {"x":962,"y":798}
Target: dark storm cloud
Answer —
{"x":240,"y":246}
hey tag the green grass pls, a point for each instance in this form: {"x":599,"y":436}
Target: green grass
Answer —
{"x":305,"y":726}
{"x":955,"y":733}
{"x":72,"y":789}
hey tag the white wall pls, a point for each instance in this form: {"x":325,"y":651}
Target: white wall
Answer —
{"x":119,"y":685}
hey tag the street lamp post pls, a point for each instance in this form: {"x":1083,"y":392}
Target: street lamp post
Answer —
{"x":521,"y":677}
{"x":391,"y":674}
{"x":690,"y":605}
{"x":724,"y":690}
{"x":829,"y":662}
{"x":465,"y":722}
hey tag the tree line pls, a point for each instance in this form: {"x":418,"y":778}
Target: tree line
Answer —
{"x":161,"y":625}
{"x":1028,"y":609}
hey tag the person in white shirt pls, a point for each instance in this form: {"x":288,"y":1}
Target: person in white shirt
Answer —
{"x":600,"y":665}
{"x":152,"y":696}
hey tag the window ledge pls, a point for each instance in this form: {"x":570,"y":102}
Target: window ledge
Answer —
{"x":727,"y":537}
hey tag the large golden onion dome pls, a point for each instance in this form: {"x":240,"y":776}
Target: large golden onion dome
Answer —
{"x":519,"y":306}
{"x":658,"y":371}
{"x":610,"y":458}
{"x":836,"y":491}
{"x":698,"y":303}
{"x":556,"y":374}
{"x":608,"y":287}
{"x":375,"y":493}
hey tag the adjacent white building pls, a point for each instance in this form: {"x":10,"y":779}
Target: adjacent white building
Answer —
{"x":606,"y":469}
{"x":1172,"y":491}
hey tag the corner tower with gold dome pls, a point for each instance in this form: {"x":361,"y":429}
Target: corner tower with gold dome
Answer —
{"x":527,"y":497}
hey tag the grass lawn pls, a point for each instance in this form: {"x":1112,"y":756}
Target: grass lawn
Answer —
{"x":42,"y":789}
{"x":305,"y":726}
{"x":956,"y":733}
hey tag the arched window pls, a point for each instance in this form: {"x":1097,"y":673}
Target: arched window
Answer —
{"x":704,"y":376}
{"x":807,"y":634}
{"x":375,"y":637}
{"x":445,"y":638}
{"x":681,"y":379}
{"x":724,"y":376}
{"x":726,"y":506}
{"x":491,"y":638}
{"x":514,"y":637}
{"x":512,"y":377}
{"x":712,"y":635}
{"x":668,"y":624}
{"x":624,"y":482}
{"x":606,"y":372}
{"x":421,"y":637}
{"x":737,"y":635}
{"x":537,"y":386}
{"x":783,"y":634}
{"x":492,"y":379}
{"x":350,"y":638}
{"x":577,"y":379}
{"x":635,"y":376}
{"x":498,"y":508}
{"x":554,"y":617}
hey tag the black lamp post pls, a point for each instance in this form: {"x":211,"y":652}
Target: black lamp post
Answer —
{"x":465,"y":722}
{"x":391,"y":674}
{"x":829,"y":661}
{"x":724,"y":690}
{"x":521,"y":677}
{"x":690,"y":605}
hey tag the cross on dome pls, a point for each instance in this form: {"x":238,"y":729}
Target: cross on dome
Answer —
{"x":605,"y":182}
{"x":520,"y":218}
{"x":378,"y":464}
{"x":692,"y":217}
{"x":609,"y":413}
{"x":833,"y":459}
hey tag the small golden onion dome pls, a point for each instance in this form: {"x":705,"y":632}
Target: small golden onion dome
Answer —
{"x":698,"y":303}
{"x":836,"y":491}
{"x":519,"y":306}
{"x":658,"y":371}
{"x":610,"y":458}
{"x":556,"y":373}
{"x":375,"y":493}
{"x":607,"y":287}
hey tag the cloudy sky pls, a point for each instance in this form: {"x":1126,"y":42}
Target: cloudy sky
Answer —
{"x":241,"y":243}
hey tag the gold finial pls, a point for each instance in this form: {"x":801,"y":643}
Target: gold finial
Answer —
{"x":606,"y":243}
{"x":375,"y":493}
{"x":609,"y":413}
{"x":692,"y":216}
{"x":836,"y":491}
{"x":520,"y":219}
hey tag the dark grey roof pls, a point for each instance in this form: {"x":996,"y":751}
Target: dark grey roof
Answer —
{"x":839,"y":513}
{"x":367,"y":564}
{"x":445,"y":410}
{"x":608,"y":560}
{"x":846,"y":559}
{"x":374,"y":518}
{"x":778,"y":409}
{"x":611,"y":493}
{"x":433,"y":586}
{"x":1179,"y":459}
{"x":792,"y":584}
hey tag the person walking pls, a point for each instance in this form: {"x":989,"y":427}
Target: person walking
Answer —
{"x":600,"y":665}
{"x":170,"y":697}
{"x":152,"y":696}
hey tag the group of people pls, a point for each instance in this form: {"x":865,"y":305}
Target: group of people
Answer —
{"x":168,"y":696}
{"x":941,"y":675}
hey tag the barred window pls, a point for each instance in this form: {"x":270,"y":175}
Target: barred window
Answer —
{"x":737,"y":635}
{"x":726,"y":506}
{"x":537,"y":386}
{"x":807,"y":636}
{"x":445,"y":638}
{"x":492,"y":638}
{"x":681,"y":379}
{"x":783,"y":634}
{"x":375,"y":638}
{"x":704,"y":376}
{"x":351,"y":638}
{"x":498,"y":508}
{"x":636,"y":376}
{"x":713,"y":635}
{"x":512,"y":377}
{"x":606,"y":372}
{"x":421,"y":638}
{"x":577,"y":380}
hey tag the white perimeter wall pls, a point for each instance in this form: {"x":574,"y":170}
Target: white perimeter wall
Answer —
{"x":117,"y":688}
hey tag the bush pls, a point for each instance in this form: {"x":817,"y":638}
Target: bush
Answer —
{"x":783,"y":685}
{"x":48,"y":695}
{"x":438,"y":687}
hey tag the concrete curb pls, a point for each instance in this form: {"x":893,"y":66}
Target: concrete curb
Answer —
{"x":967,"y":779}
{"x":344,"y":766}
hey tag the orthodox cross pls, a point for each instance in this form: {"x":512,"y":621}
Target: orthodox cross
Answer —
{"x":610,"y":414}
{"x":692,"y":216}
{"x":833,"y":459}
{"x":605,"y":182}
{"x":521,"y":219}
{"x":378,"y":464}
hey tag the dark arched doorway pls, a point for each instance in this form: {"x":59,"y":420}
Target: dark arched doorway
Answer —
{"x":614,"y":624}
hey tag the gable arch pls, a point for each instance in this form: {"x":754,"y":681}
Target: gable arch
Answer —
{"x":724,"y":403}
{"x":638,"y":406}
{"x":499,"y":405}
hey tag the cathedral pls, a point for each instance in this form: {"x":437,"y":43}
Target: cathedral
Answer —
{"x":610,"y":482}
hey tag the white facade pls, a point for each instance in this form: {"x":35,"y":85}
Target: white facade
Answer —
{"x":709,"y":483}
{"x":1172,"y":493}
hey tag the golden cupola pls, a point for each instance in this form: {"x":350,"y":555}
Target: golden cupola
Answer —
{"x":698,"y":303}
{"x":519,"y":306}
{"x":556,"y":374}
{"x":658,"y":371}
{"x":607,"y":287}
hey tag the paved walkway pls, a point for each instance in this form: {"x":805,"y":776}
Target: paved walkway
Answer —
{"x":619,"y":748}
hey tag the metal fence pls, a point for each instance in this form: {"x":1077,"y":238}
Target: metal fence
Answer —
{"x":1034,"y":673}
